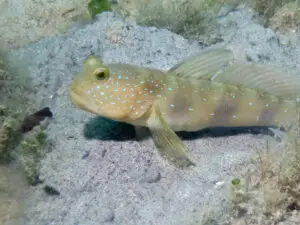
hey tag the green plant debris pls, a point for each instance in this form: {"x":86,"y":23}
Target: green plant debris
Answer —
{"x":6,"y":133}
{"x":97,"y":6}
{"x":15,"y":93}
{"x":32,"y":151}
{"x":236,"y":181}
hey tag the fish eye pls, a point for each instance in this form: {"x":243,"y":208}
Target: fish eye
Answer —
{"x":101,"y":74}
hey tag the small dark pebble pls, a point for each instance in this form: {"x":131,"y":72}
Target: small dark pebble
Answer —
{"x":103,"y":153}
{"x":71,"y":137}
{"x":34,"y":119}
{"x":293,"y":206}
{"x":51,"y":190}
{"x":154,"y":179}
{"x":86,"y":154}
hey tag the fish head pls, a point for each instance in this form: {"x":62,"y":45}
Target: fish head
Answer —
{"x":114,"y":91}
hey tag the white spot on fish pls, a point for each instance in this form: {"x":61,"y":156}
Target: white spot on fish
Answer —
{"x":204,"y":99}
{"x":142,"y":82}
{"x":172,"y":105}
{"x":119,"y":77}
{"x":191,"y":109}
{"x":113,"y":103}
{"x":170,"y":89}
{"x":98,"y":87}
{"x":285,"y":110}
{"x":250,"y":103}
{"x":267,"y":105}
{"x":212,"y":114}
{"x":234,"y":116}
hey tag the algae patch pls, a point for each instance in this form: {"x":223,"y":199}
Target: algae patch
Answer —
{"x":271,"y":191}
{"x":98,"y":6}
{"x":193,"y":19}
{"x":19,"y":153}
{"x":32,"y":150}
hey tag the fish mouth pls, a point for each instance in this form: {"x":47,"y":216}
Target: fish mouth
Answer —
{"x":76,"y":99}
{"x":81,"y":101}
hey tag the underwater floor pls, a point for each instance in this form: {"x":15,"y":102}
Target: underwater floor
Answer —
{"x":102,"y":174}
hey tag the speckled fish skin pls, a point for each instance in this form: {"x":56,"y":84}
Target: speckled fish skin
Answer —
{"x":127,"y":94}
{"x":194,"y":105}
{"x":188,"y":97}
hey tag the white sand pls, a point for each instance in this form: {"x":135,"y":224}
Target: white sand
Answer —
{"x":123,"y":182}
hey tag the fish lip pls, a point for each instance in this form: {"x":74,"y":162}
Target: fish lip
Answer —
{"x":81,"y":103}
{"x":76,"y":99}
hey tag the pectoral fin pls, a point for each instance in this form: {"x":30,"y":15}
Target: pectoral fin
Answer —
{"x":167,"y":142}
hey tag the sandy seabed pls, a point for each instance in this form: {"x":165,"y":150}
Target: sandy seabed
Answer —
{"x":103,"y":175}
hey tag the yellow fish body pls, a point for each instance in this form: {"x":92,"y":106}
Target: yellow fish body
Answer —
{"x":205,"y":90}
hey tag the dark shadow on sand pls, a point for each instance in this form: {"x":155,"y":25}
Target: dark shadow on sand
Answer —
{"x":105,"y":129}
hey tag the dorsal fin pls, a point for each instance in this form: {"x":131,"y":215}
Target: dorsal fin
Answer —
{"x":261,"y":77}
{"x":203,"y":65}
